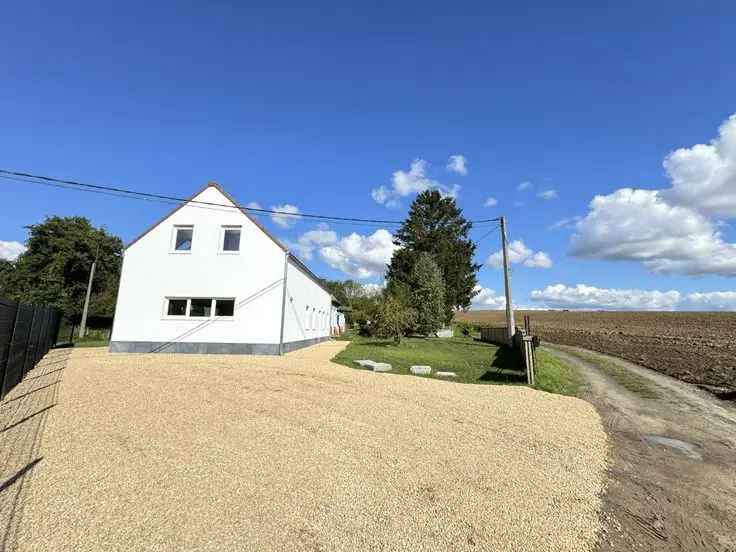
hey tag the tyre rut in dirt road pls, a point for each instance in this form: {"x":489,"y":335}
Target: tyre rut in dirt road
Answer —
{"x":672,"y":480}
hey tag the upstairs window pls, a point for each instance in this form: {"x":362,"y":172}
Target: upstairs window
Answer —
{"x":183,"y":239}
{"x":230,"y":242}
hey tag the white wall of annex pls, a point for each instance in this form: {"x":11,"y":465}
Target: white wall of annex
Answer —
{"x":303,"y":292}
{"x":151,"y":272}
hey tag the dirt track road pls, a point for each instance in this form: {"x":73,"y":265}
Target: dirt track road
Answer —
{"x":672,"y":480}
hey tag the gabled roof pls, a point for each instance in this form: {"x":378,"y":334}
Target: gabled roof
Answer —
{"x":229,"y":198}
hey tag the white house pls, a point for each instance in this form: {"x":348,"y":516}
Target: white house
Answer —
{"x":208,"y":278}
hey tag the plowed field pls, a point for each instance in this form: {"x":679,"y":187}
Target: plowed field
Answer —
{"x":696,"y":347}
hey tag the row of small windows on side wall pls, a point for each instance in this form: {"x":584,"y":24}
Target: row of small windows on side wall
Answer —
{"x":183,"y":238}
{"x":198,"y":307}
{"x":316,"y":320}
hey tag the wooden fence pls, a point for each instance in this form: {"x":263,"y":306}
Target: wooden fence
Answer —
{"x":522,"y":342}
{"x":27,"y":332}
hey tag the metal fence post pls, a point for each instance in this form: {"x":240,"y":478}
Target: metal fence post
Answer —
{"x":7,"y":356}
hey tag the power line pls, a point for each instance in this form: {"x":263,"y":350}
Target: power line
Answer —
{"x":123,"y":192}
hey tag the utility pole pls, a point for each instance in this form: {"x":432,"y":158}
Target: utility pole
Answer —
{"x":83,"y":325}
{"x":510,"y":325}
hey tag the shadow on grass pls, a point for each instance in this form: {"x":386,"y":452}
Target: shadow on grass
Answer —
{"x":505,"y":367}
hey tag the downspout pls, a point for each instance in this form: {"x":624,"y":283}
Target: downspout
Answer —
{"x":283,"y":304}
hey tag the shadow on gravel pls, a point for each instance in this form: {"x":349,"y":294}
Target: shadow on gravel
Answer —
{"x":23,"y":414}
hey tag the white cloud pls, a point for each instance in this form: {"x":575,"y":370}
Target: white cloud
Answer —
{"x":671,"y":230}
{"x":569,"y":222}
{"x":520,"y":253}
{"x":486,"y":297}
{"x":361,"y":256}
{"x":582,"y":296}
{"x":712,"y":300}
{"x":548,"y":195}
{"x":704,"y":176}
{"x":524,"y":186}
{"x":413,"y":181}
{"x":253,"y":205}
{"x":639,"y":225}
{"x":309,"y":241}
{"x":590,"y":297}
{"x":9,"y":250}
{"x":491,"y":202}
{"x":288,"y":218}
{"x":458,"y":164}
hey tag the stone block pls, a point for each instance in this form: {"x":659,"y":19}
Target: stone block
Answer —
{"x":446,"y":374}
{"x":421,"y":370}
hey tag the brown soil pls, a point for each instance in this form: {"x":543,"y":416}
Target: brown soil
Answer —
{"x":672,"y":479}
{"x":696,"y":347}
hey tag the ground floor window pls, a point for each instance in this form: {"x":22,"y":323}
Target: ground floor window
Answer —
{"x":199,"y":307}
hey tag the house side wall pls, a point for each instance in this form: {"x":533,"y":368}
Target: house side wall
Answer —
{"x":151,"y":272}
{"x":307,"y":309}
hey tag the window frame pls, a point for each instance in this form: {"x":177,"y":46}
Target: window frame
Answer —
{"x":221,"y":244}
{"x":213,"y":308}
{"x":175,"y":232}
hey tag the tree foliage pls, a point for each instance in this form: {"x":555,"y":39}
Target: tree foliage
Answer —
{"x":55,"y":267}
{"x":361,"y":302}
{"x":436,"y":226}
{"x":427,"y":295}
{"x":393,"y":319}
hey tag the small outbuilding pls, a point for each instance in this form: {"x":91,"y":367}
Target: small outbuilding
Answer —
{"x":208,"y":278}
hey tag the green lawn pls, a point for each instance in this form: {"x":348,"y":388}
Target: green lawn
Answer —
{"x":473,"y":361}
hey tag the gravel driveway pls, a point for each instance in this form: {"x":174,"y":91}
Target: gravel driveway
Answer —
{"x":190,"y":452}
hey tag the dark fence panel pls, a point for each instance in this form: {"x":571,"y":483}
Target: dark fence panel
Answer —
{"x":27,"y":332}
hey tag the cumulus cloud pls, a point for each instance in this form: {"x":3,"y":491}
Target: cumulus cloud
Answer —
{"x":524,"y":186}
{"x":582,"y":296}
{"x":712,"y":300}
{"x":704,"y":176}
{"x":491,"y":202}
{"x":486,"y":297}
{"x":309,"y":241}
{"x":590,"y":297}
{"x":458,"y":164}
{"x":640,"y":225}
{"x":547,"y":195}
{"x":286,"y":216}
{"x":361,"y":256}
{"x":253,"y":205}
{"x":413,"y":181}
{"x":10,"y":250}
{"x":519,"y":253}
{"x":670,"y":230}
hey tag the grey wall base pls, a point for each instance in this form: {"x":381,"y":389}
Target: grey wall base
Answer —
{"x":210,"y":348}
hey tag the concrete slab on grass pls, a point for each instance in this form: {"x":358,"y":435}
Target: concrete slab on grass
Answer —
{"x":381,"y":367}
{"x":446,"y":374}
{"x":365,"y":363}
{"x":420,"y":370}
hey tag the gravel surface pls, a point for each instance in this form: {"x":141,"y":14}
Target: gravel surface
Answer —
{"x":209,"y":452}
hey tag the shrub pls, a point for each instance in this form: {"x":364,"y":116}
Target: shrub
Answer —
{"x":393,"y":319}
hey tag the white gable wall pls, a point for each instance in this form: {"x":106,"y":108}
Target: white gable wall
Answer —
{"x":151,"y":272}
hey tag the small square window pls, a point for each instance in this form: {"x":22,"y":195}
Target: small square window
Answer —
{"x":200,"y":307}
{"x":231,"y":239}
{"x":177,"y":307}
{"x":224,"y":307}
{"x":183,"y":238}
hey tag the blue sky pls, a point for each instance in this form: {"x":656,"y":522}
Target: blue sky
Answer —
{"x":317,"y":106}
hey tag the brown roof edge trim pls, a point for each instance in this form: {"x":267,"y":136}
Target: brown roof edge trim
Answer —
{"x":230,"y":198}
{"x":304,"y":268}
